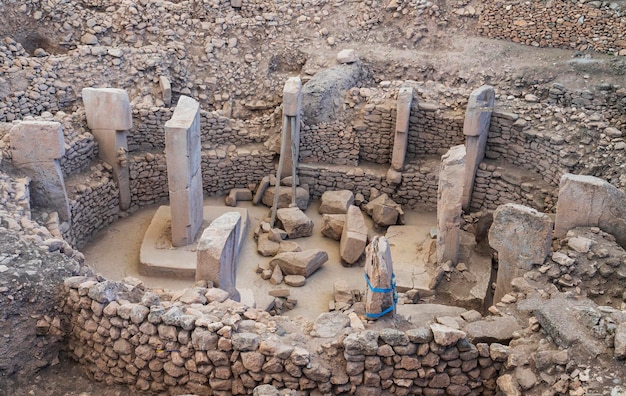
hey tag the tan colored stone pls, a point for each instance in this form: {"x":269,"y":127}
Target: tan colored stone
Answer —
{"x":354,"y":236}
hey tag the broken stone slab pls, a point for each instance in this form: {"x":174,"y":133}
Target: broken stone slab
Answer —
{"x":260,"y":191}
{"x":558,"y":318}
{"x":266,"y":247}
{"x":332,"y":225}
{"x":284,"y":197}
{"x":342,"y":293}
{"x":184,"y":177}
{"x":217,"y":253}
{"x":353,"y":237}
{"x":449,"y":204}
{"x":300,"y":263}
{"x":295,"y":222}
{"x":336,"y":202}
{"x":295,"y":280}
{"x":383,"y":210}
{"x":238,"y":194}
{"x":166,"y":90}
{"x":330,"y":324}
{"x":380,"y":293}
{"x":347,"y":56}
{"x":446,"y":336}
{"x":289,"y":246}
{"x":476,"y":130}
{"x":588,"y":201}
{"x":40,"y":162}
{"x":498,"y":329}
{"x":523,"y":238}
{"x":277,"y":276}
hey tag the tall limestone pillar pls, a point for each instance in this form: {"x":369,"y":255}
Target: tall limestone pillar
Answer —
{"x":109,"y":117}
{"x":476,"y":131}
{"x":449,"y":210}
{"x":184,"y":177}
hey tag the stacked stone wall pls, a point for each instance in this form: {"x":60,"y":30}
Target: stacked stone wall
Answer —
{"x":330,"y":143}
{"x":556,"y":23}
{"x":433,"y":130}
{"x":125,"y":335}
{"x":376,"y":128}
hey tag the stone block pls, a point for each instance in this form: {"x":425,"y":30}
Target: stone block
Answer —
{"x":354,"y":236}
{"x":284,"y":198}
{"x":166,"y":89}
{"x":292,"y":97}
{"x":403,"y":115}
{"x":336,"y":202}
{"x":449,"y":206}
{"x":295,"y":222}
{"x":379,"y":271}
{"x":332,"y":225}
{"x":107,"y":108}
{"x":347,"y":56}
{"x":300,"y":263}
{"x":36,"y":141}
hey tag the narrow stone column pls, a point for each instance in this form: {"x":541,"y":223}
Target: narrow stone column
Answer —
{"x":476,"y":131}
{"x":380,"y":294}
{"x":217,"y":253}
{"x":184,"y":177}
{"x":449,"y":210}
{"x":523,"y":237}
{"x":36,"y":147}
{"x":403,"y":114}
{"x":109,"y":117}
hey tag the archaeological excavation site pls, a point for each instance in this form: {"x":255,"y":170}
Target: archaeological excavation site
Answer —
{"x":312,"y":197}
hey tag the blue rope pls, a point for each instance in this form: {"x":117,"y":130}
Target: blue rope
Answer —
{"x":392,"y":289}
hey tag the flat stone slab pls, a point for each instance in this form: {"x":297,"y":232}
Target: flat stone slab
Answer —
{"x":498,"y":329}
{"x":408,"y":264}
{"x":423,"y":313}
{"x":157,"y":256}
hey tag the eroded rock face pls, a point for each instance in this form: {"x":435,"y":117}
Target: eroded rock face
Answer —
{"x":587,"y":201}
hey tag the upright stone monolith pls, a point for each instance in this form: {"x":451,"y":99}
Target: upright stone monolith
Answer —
{"x":380,"y":293}
{"x":184,"y":177}
{"x":588,"y":201}
{"x":523,"y":237}
{"x":476,"y":130}
{"x":36,"y":147}
{"x":217,"y":253}
{"x":109,"y":116}
{"x":403,"y":114}
{"x":449,"y":206}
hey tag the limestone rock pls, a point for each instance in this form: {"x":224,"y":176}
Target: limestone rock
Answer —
{"x":332,"y":225}
{"x":444,"y":335}
{"x":295,"y":280}
{"x":289,"y":246}
{"x":383,"y":210}
{"x":620,"y":341}
{"x":449,"y":204}
{"x":347,"y":56}
{"x":300,"y":263}
{"x":295,"y":222}
{"x":264,"y":390}
{"x":379,"y":271}
{"x":336,"y":202}
{"x":508,"y":385}
{"x":330,"y":324}
{"x":587,"y":201}
{"x":354,"y":236}
{"x":284,"y":199}
{"x":265,"y":247}
{"x":342,"y":293}
{"x":498,"y":329}
{"x":237,"y":194}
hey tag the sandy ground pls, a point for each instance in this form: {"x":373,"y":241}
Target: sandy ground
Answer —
{"x":114,"y":253}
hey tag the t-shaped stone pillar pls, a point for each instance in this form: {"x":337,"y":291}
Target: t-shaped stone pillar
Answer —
{"x":36,"y":147}
{"x":380,"y":292}
{"x":476,"y":130}
{"x":449,"y":193}
{"x":184,"y":177}
{"x":403,"y":114}
{"x":109,"y":117}
{"x":523,"y":237}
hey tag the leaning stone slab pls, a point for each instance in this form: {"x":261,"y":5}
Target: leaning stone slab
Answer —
{"x":523,"y":237}
{"x":300,"y":263}
{"x":588,"y":201}
{"x":354,"y":236}
{"x":36,"y":147}
{"x":218,"y":251}
{"x":336,"y":202}
{"x":449,"y":204}
{"x":295,"y":222}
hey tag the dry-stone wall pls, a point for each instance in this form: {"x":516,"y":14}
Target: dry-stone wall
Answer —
{"x":596,"y":25}
{"x":234,"y":167}
{"x":148,"y":179}
{"x":433,"y":129}
{"x":497,"y":185}
{"x":330,"y":143}
{"x":125,"y":335}
{"x":376,"y":131}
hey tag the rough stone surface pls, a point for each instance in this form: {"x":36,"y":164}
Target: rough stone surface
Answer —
{"x":300,"y":263}
{"x":353,"y":236}
{"x":379,"y":271}
{"x":332,"y":226}
{"x":295,"y":222}
{"x":336,"y":202}
{"x":449,"y":204}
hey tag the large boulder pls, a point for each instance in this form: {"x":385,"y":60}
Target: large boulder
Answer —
{"x":587,"y":201}
{"x":295,"y":222}
{"x":300,"y":263}
{"x":383,"y":210}
{"x":336,"y":202}
{"x":284,"y":197}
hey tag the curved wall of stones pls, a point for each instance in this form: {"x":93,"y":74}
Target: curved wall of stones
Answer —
{"x":124,"y":335}
{"x":556,"y":23}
